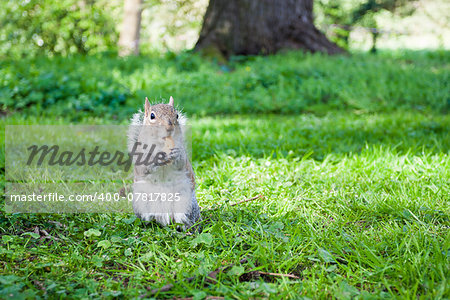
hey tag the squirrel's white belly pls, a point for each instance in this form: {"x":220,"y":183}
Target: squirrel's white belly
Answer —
{"x":163,"y":199}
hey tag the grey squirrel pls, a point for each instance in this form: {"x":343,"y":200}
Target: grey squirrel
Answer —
{"x":164,"y":186}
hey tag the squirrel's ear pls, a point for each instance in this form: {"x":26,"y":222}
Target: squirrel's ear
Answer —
{"x":171,"y":101}
{"x":146,"y":107}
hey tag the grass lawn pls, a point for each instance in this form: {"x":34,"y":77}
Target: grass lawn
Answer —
{"x":356,"y":204}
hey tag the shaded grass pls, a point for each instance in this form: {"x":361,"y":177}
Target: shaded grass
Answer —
{"x":318,"y":136}
{"x":290,"y":83}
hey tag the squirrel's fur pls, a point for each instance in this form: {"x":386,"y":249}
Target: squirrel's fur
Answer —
{"x":161,"y":126}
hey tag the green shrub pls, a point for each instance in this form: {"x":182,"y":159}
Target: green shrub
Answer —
{"x":36,"y":88}
{"x":289,"y":83}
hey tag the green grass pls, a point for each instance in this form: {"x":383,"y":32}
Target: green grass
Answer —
{"x":356,"y":201}
{"x":292,"y":83}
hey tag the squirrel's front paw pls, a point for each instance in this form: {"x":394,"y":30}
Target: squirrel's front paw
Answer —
{"x":175,"y":153}
{"x":177,"y":156}
{"x":150,"y":169}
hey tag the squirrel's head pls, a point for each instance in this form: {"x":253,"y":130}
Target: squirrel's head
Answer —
{"x":164,"y":115}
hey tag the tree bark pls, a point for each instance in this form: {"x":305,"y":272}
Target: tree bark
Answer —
{"x":246,"y":27}
{"x":131,"y":25}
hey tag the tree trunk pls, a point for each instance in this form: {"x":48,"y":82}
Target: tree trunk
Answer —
{"x":131,"y":25}
{"x":243,"y":27}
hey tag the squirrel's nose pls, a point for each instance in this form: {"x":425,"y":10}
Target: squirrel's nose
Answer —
{"x":170,"y":123}
{"x":170,"y":127}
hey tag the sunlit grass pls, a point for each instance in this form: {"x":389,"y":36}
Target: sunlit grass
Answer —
{"x":354,"y":205}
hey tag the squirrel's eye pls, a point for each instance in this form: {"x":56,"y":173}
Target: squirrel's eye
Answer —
{"x":177,"y":116}
{"x":152,"y":116}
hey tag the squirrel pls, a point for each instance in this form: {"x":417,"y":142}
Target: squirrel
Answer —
{"x":164,"y":186}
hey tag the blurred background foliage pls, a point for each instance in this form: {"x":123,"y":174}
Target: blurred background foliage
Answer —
{"x":51,"y":27}
{"x":341,"y":16}
{"x":412,"y":24}
{"x":34,"y":27}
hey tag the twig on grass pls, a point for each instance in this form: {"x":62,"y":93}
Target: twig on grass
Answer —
{"x":44,"y":234}
{"x":247,"y":200}
{"x":237,"y":203}
{"x":207,"y":298}
{"x":58,"y":224}
{"x":211,"y":277}
{"x":278,"y":274}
